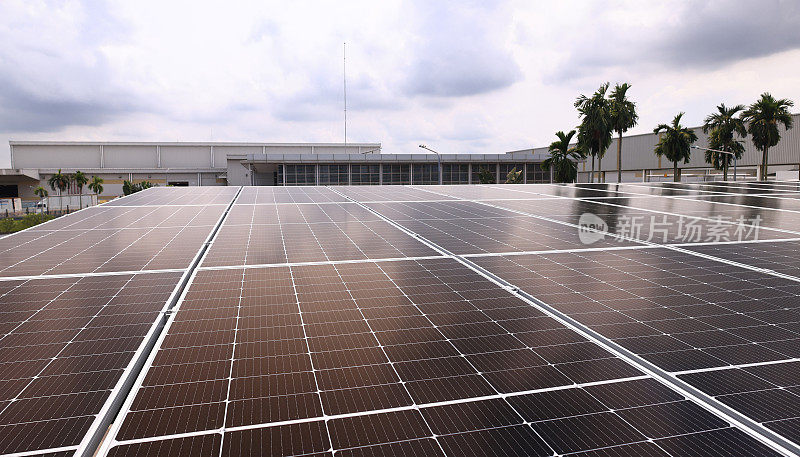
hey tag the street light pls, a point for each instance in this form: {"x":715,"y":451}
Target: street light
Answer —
{"x":721,"y":152}
{"x":438,"y":157}
{"x":371,"y":150}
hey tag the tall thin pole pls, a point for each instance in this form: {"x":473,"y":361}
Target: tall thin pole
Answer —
{"x":344,"y":83}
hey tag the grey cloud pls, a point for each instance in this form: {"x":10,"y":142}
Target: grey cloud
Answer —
{"x":456,"y":52}
{"x":47,"y":83}
{"x":706,"y":35}
{"x":322,"y":98}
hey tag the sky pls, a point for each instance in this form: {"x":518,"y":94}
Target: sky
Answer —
{"x":466,"y":76}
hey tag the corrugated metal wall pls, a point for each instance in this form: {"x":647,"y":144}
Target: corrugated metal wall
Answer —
{"x":637,"y":151}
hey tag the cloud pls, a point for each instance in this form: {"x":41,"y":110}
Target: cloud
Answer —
{"x":457,"y":50}
{"x":53,"y":71}
{"x":677,"y":35}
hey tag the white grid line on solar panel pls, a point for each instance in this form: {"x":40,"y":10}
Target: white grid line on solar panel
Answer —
{"x":466,"y":235}
{"x":739,"y":366}
{"x":44,"y":261}
{"x":624,"y":248}
{"x":669,"y":227}
{"x":299,"y":195}
{"x":698,"y":199}
{"x":780,"y":257}
{"x":89,"y":275}
{"x":791,"y":200}
{"x":341,"y":238}
{"x":684,"y":211}
{"x":623,"y":294}
{"x":321,"y":262}
{"x":63,"y":370}
{"x":772,"y":186}
{"x":164,"y":196}
{"x":381,"y":193}
{"x":591,"y":421}
{"x":124,"y":217}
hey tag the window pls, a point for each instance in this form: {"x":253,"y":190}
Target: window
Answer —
{"x":476,"y":172}
{"x":505,"y":169}
{"x":455,"y":173}
{"x":363,"y":174}
{"x":178,"y":183}
{"x":396,"y":173}
{"x":536,"y":174}
{"x":333,"y":174}
{"x":425,"y":173}
{"x":297,"y":175}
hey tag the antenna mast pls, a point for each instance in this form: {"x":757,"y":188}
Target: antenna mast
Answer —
{"x":344,"y":81}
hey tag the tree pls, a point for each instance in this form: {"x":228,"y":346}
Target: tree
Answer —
{"x":724,"y":127}
{"x":514,"y":176}
{"x":595,"y":129}
{"x":622,"y":113}
{"x":59,"y":181}
{"x":563,"y":158}
{"x":41,"y":192}
{"x":131,"y":188}
{"x":485,"y":176}
{"x":675,"y":143}
{"x":96,"y":185}
{"x":763,"y":118}
{"x":80,"y":181}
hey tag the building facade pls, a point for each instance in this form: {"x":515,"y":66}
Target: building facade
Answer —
{"x":261,"y":164}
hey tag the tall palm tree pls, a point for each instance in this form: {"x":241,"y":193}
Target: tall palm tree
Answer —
{"x":595,"y":129}
{"x":80,"y":181}
{"x":724,"y":127}
{"x":59,"y":181}
{"x":763,"y":118}
{"x":623,"y":117}
{"x":96,"y":185}
{"x":41,"y":192}
{"x":675,"y":144}
{"x":563,"y":158}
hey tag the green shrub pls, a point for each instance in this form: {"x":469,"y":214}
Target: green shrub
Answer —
{"x":9,"y":225}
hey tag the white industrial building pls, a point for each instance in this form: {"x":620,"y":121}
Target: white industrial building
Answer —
{"x":219,"y":164}
{"x":267,"y":164}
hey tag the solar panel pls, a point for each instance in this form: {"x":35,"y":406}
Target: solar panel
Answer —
{"x":66,"y":344}
{"x":397,"y":320}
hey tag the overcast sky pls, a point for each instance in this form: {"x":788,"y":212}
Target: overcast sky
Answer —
{"x":479,"y":76}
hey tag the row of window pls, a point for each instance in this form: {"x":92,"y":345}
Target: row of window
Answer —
{"x":404,"y":173}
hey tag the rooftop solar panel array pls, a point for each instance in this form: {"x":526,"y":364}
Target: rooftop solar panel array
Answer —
{"x":405,"y":320}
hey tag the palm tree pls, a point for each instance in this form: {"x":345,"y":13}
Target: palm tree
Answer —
{"x":80,"y":181}
{"x":59,"y":181}
{"x":563,"y":158}
{"x":96,"y":185}
{"x":675,"y":144}
{"x":623,"y":117}
{"x":514,"y":176}
{"x":595,"y":129}
{"x":724,"y":127}
{"x":41,"y":192}
{"x":762,"y":119}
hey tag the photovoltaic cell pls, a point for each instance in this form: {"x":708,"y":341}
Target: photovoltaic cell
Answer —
{"x":70,"y":343}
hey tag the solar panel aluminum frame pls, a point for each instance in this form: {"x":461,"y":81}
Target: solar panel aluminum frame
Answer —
{"x":120,"y":398}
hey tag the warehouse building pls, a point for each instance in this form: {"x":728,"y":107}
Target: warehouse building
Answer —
{"x":269,"y":164}
{"x":260,"y":164}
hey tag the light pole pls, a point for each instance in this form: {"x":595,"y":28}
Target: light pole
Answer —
{"x":438,"y":157}
{"x":721,"y":152}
